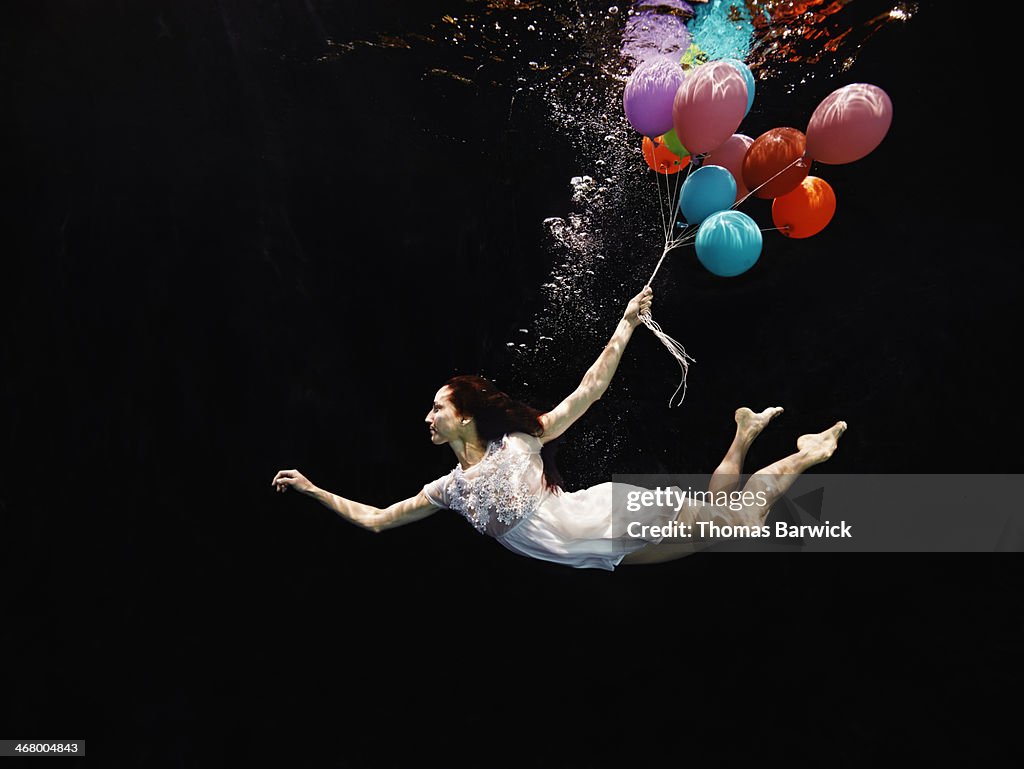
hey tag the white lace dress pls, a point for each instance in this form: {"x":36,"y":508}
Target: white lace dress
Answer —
{"x":503,"y":495}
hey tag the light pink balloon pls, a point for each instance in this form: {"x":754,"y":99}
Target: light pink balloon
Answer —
{"x":849,"y":123}
{"x":709,"y":106}
{"x":730,"y":155}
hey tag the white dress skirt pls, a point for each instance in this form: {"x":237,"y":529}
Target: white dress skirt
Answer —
{"x":503,"y":495}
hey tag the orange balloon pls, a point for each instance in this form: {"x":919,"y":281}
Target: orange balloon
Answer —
{"x":776,"y":160}
{"x":806,"y":210}
{"x":660,"y":158}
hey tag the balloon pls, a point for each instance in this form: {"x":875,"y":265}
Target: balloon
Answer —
{"x":730,"y":156}
{"x":748,"y":78}
{"x":660,"y":158}
{"x":728,"y":243}
{"x":806,"y":210}
{"x":707,"y":190}
{"x":775,"y":160}
{"x":672,"y":142}
{"x":709,"y":106}
{"x":649,"y":94}
{"x":849,"y":123}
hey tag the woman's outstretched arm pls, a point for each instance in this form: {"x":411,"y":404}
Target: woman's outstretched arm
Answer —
{"x":366,"y":516}
{"x":599,"y":375}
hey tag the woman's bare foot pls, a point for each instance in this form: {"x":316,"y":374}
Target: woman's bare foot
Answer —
{"x":749,"y":425}
{"x":819,"y":447}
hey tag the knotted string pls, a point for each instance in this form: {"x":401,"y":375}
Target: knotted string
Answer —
{"x":676,"y":350}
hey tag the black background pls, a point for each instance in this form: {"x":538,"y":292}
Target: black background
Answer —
{"x":224,"y":258}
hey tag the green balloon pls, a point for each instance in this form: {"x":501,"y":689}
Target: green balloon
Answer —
{"x":674,"y":145}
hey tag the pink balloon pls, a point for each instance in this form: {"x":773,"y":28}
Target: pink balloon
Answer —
{"x":648,"y":95}
{"x":709,"y":106}
{"x":849,"y":123}
{"x":730,"y":155}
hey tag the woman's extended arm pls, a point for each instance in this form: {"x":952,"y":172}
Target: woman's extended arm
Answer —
{"x":367,"y":516}
{"x":599,"y":375}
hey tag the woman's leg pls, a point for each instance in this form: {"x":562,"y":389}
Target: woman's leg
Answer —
{"x":748,"y":426}
{"x":773,"y":481}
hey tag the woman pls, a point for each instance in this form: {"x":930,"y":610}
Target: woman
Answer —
{"x":506,"y":485}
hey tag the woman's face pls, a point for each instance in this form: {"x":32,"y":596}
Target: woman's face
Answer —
{"x":444,"y":421}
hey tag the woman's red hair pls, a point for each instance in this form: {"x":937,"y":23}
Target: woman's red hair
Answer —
{"x":497,"y":414}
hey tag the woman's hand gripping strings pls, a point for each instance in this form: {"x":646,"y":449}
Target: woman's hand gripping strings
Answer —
{"x":639,"y":307}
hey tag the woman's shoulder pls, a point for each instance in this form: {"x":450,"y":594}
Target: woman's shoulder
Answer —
{"x":523,"y":442}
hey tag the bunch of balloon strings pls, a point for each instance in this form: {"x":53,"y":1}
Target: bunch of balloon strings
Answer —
{"x":667,"y":201}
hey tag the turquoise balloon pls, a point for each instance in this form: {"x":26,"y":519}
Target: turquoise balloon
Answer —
{"x":728,"y":243}
{"x":748,"y":76}
{"x":709,"y":189}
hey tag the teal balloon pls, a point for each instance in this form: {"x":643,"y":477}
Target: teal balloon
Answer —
{"x":728,"y":243}
{"x":709,"y":189}
{"x":748,"y":76}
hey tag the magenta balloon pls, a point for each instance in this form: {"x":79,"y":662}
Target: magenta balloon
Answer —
{"x":730,"y":155}
{"x":848,"y":124}
{"x":709,"y":106}
{"x":649,"y":94}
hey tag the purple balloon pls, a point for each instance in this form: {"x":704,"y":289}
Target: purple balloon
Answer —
{"x":649,"y":95}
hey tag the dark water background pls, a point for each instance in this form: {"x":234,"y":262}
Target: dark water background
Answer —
{"x":247,"y":236}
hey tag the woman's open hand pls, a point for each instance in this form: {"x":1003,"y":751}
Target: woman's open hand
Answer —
{"x":639,"y":305}
{"x":286,"y":479}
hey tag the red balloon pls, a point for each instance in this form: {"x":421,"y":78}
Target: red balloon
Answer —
{"x":776,"y":160}
{"x":660,"y":158}
{"x":806,"y":210}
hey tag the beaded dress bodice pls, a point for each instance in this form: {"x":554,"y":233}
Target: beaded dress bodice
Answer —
{"x":501,"y":490}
